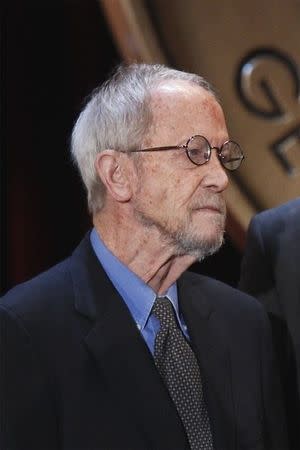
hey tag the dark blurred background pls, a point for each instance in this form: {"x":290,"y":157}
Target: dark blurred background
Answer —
{"x":52,"y":56}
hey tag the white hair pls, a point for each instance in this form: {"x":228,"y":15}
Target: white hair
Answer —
{"x":118,"y":116}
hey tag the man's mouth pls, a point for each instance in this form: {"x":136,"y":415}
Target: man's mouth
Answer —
{"x":210,"y":208}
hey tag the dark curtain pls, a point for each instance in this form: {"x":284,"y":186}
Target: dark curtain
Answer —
{"x":53,"y":54}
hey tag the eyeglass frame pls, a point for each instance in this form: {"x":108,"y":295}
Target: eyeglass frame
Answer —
{"x":185,"y":147}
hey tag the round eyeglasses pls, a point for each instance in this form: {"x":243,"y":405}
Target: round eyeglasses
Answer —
{"x":199,"y":150}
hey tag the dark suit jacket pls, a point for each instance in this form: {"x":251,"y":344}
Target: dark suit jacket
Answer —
{"x":78,"y":374}
{"x":271,"y":272}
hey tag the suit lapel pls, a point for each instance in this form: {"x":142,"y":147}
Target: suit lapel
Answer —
{"x":210,"y":346}
{"x":122,"y":356}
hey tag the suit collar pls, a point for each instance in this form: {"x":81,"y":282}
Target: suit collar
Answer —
{"x":189,"y":292}
{"x":135,"y":386}
{"x":89,"y":280}
{"x":121,"y":355}
{"x":210,"y":343}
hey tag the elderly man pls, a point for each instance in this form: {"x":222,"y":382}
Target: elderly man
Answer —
{"x":118,"y":347}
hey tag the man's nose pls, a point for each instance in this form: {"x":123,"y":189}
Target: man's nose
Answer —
{"x":216,"y":177}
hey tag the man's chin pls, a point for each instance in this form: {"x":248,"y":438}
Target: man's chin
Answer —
{"x":200,"y":248}
{"x":209,"y":235}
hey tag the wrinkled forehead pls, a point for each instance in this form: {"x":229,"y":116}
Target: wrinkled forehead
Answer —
{"x":181,"y":109}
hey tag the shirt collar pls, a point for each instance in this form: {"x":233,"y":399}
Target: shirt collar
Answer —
{"x":138,"y":296}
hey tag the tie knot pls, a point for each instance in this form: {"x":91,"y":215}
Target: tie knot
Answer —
{"x":164,"y":311}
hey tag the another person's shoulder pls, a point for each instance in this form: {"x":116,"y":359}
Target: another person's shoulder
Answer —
{"x":279,"y":214}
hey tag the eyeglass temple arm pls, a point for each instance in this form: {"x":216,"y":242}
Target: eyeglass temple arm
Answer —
{"x":171,"y":147}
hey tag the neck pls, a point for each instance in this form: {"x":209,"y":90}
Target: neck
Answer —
{"x":142,"y":250}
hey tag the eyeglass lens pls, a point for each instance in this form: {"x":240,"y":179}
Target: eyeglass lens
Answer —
{"x":199,"y":152}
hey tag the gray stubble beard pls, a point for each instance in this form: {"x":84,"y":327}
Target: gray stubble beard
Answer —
{"x":181,"y":241}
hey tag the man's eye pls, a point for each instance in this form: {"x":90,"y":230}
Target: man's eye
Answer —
{"x":194,"y":152}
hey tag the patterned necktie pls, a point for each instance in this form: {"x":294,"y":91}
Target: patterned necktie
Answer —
{"x":179,"y":369}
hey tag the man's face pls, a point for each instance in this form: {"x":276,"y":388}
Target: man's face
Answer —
{"x":182,"y":201}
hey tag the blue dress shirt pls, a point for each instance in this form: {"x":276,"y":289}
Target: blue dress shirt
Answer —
{"x":138,"y":296}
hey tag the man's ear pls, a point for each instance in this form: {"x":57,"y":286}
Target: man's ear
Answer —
{"x":113,"y":169}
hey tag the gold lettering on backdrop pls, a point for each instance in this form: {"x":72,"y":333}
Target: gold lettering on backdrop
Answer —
{"x":259,"y":78}
{"x":287,"y":150}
